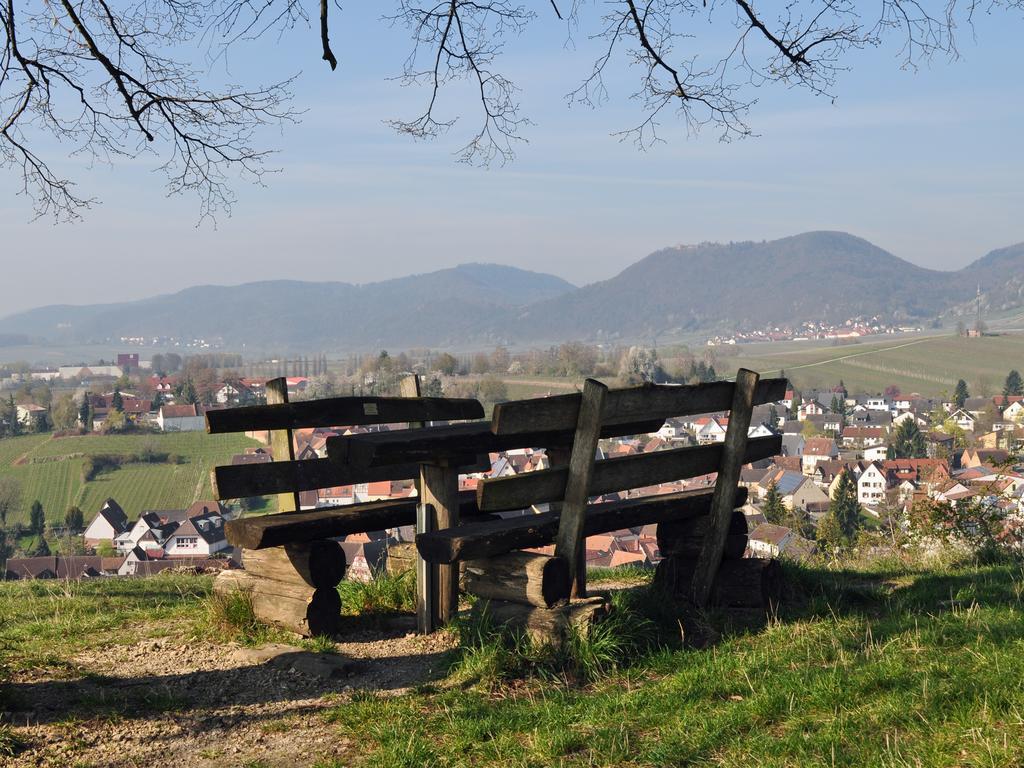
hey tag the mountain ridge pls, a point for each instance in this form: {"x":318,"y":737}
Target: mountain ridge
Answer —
{"x":820,"y":275}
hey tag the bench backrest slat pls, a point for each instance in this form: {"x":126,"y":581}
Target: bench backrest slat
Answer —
{"x":242,"y":480}
{"x":617,"y":474}
{"x":633,"y":404}
{"x":341,"y":411}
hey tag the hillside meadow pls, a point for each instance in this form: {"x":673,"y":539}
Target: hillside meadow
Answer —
{"x":929,"y":365}
{"x":50,"y":469}
{"x":891,"y":664}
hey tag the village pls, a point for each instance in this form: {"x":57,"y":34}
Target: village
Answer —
{"x":890,"y":453}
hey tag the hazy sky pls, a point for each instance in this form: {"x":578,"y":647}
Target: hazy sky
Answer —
{"x":926,"y":164}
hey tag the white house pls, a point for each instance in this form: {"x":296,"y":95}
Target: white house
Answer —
{"x":109,"y":523}
{"x":1013,"y":411}
{"x":963,"y":419}
{"x":197,"y":536}
{"x":876,"y":404}
{"x":871,"y":485}
{"x":710,"y":430}
{"x":181,"y":418}
{"x":30,"y":414}
{"x":817,"y":449}
{"x":876,"y":453}
{"x":769,"y":540}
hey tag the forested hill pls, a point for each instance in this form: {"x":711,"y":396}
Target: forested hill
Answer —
{"x":449,"y":306}
{"x":826,"y":276}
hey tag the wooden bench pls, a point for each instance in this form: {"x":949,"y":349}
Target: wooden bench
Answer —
{"x":292,"y":565}
{"x":453,"y":528}
{"x":698,"y":528}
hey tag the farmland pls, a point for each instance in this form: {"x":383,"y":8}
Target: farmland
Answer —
{"x":929,"y":365}
{"x":50,"y":470}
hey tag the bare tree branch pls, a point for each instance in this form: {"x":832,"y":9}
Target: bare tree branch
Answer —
{"x":99,"y":78}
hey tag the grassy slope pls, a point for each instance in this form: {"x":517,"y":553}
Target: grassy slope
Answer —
{"x":58,"y":484}
{"x":893,"y":668}
{"x":929,"y":365}
{"x":881,"y":671}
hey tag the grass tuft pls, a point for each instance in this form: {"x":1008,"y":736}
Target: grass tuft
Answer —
{"x":11,"y":744}
{"x":232,"y":616}
{"x":387,"y":593}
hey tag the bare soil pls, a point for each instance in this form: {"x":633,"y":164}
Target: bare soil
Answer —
{"x":176,"y":701}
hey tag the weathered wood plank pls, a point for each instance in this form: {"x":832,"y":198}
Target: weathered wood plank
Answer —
{"x":520,"y":577}
{"x":569,"y":541}
{"x":487,"y":539}
{"x":520,"y":491}
{"x":749,"y":583}
{"x":342,"y":411}
{"x":439,"y":497}
{"x":634,"y":404}
{"x":329,"y":522}
{"x":281,"y":445}
{"x":294,"y":606}
{"x":733,"y":458}
{"x":442,"y":442}
{"x":237,"y":481}
{"x":674,"y":531}
{"x":543,"y":626}
{"x":317,"y":563}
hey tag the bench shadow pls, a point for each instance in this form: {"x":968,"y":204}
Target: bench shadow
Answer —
{"x":295,"y":677}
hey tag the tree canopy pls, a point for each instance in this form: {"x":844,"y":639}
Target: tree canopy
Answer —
{"x":908,"y":442}
{"x":113,"y":80}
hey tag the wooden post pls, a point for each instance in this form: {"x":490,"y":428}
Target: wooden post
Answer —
{"x":281,"y":444}
{"x":569,"y":543}
{"x":725,"y":487}
{"x":425,"y":572}
{"x":559,"y":457}
{"x":439,"y":502}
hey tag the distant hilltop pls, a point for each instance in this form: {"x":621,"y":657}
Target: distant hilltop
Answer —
{"x":824,"y":277}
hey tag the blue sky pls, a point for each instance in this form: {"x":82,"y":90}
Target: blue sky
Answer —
{"x":926,"y":164}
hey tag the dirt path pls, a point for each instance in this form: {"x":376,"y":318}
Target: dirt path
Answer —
{"x":198,"y":705}
{"x":27,"y":454}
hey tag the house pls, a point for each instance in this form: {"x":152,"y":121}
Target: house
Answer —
{"x":876,"y":404}
{"x":963,"y":419}
{"x":807,"y":496}
{"x":181,"y":418}
{"x":769,"y":540}
{"x":871,"y":485}
{"x":109,"y":523}
{"x":365,"y":558}
{"x":812,"y":408}
{"x":89,"y":372}
{"x":710,"y":430}
{"x":31,"y":415}
{"x":832,"y":422}
{"x":1013,"y":411}
{"x":817,"y":449}
{"x":976,"y":457}
{"x":863,"y":437}
{"x":201,"y":535}
{"x":57,"y":567}
{"x":793,"y":445}
{"x":876,"y":453}
{"x":759,"y":430}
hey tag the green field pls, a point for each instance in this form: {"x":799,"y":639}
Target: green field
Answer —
{"x":57,"y":484}
{"x":929,"y":365}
